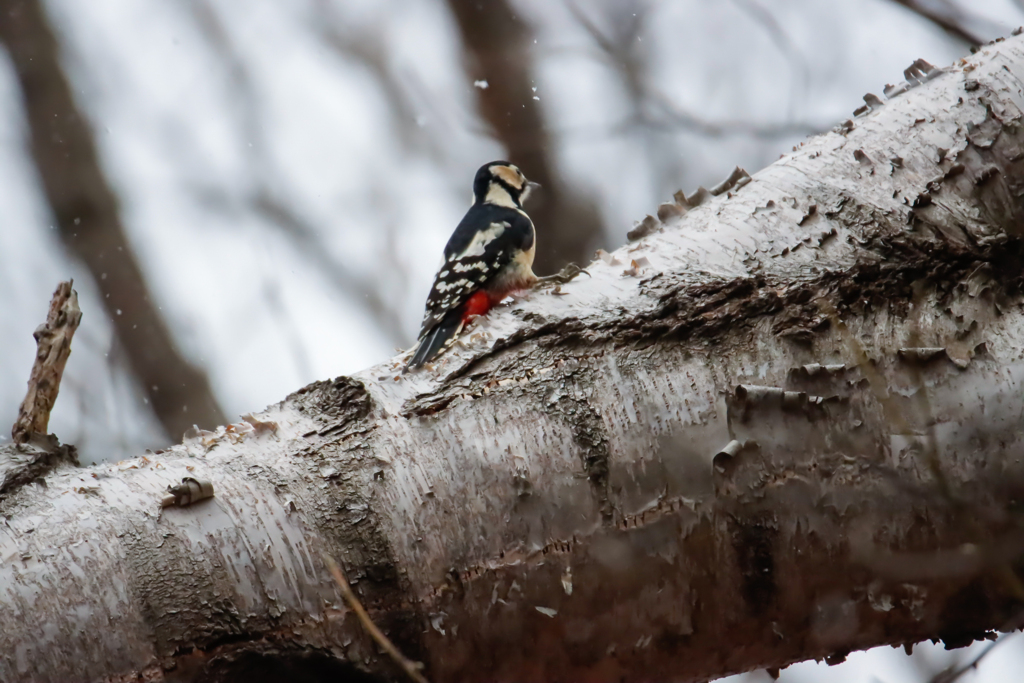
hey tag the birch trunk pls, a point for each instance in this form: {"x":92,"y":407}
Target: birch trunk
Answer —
{"x":790,"y":430}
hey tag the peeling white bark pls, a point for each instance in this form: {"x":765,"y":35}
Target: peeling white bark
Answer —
{"x":680,"y":468}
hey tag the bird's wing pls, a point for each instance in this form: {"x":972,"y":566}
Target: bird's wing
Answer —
{"x":473,"y":256}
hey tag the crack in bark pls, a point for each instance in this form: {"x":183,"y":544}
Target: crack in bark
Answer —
{"x":707,"y":311}
{"x":21,"y":464}
{"x":753,"y":541}
{"x":574,"y":405}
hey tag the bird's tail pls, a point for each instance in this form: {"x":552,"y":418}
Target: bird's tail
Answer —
{"x":440,"y":337}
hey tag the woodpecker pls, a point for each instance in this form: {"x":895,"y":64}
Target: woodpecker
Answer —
{"x":489,"y":256}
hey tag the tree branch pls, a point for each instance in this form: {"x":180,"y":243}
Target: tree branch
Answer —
{"x":411,"y":669}
{"x":952,"y":22}
{"x":702,"y":460}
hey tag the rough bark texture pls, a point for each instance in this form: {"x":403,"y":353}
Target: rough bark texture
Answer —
{"x":53,"y":346}
{"x":790,"y":429}
{"x":89,"y":222}
{"x":21,"y":463}
{"x":497,"y":51}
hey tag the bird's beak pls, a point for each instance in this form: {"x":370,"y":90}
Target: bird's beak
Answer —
{"x":528,"y":190}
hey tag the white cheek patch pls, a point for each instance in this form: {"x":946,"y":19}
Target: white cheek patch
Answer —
{"x":481,"y":240}
{"x":499,"y":196}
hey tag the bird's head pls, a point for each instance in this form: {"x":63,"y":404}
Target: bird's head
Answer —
{"x":502,"y":184}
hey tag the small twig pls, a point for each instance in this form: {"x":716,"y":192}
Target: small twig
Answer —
{"x":950,"y":675}
{"x":953,"y":21}
{"x":411,"y":668}
{"x":53,"y":346}
{"x":767,"y":20}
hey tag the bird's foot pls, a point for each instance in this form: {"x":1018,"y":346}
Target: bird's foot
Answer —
{"x":567,"y":274}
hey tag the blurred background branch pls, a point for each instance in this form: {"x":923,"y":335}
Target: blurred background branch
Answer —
{"x":947,"y":16}
{"x":499,"y":60}
{"x":652,"y":108}
{"x":88,"y":219}
{"x":265,"y":197}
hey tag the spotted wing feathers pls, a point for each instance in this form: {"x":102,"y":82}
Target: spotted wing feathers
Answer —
{"x":463,"y":272}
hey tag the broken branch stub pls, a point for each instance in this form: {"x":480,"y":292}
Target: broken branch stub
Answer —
{"x":53,"y":340}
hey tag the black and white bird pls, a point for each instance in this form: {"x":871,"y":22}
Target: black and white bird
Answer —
{"x":489,"y":256}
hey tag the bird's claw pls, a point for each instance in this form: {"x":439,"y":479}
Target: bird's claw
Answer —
{"x":567,"y":274}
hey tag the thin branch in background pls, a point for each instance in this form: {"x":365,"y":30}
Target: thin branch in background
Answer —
{"x":652,"y":107}
{"x":621,"y":51}
{"x":304,"y":237}
{"x":953,"y":20}
{"x":951,"y":675}
{"x":674,"y":117}
{"x":215,"y":32}
{"x":286,"y":325}
{"x":265,"y":202}
{"x":369,"y":49}
{"x":624,"y":52}
{"x":654,"y":117}
{"x":411,"y":668}
{"x":425,"y":121}
{"x":496,"y":44}
{"x":89,"y":222}
{"x":800,"y":77}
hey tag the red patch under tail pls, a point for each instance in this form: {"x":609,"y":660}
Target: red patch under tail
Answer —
{"x":477,"y":304}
